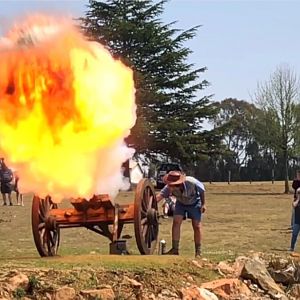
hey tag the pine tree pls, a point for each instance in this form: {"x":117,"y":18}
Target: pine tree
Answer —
{"x":169,"y":115}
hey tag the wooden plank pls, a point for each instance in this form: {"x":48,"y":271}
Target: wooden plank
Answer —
{"x":73,"y":216}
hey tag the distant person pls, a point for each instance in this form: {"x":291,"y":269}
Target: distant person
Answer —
{"x":169,"y":207}
{"x":15,"y":188}
{"x":296,"y":225}
{"x":295,"y":186}
{"x":6,"y":177}
{"x":190,"y":202}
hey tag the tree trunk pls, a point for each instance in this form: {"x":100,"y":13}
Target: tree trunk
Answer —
{"x":286,"y":173}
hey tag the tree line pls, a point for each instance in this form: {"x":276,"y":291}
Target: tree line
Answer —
{"x":249,"y":141}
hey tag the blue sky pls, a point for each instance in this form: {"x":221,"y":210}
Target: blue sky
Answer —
{"x":240,"y":42}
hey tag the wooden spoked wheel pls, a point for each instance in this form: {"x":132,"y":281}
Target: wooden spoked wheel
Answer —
{"x":146,"y":224}
{"x":45,"y":231}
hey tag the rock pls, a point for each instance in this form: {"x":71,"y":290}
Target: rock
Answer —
{"x":167,"y":294}
{"x":256,"y":271}
{"x":132,"y":282}
{"x":149,"y":297}
{"x":285,"y":277}
{"x":227,"y":288}
{"x":103,"y":294}
{"x":207,"y":295}
{"x":295,"y":291}
{"x":239,"y":264}
{"x":4,"y":286}
{"x":48,"y":296}
{"x":64,"y":293}
{"x":18,"y":281}
{"x":4,"y":295}
{"x":202,"y":263}
{"x":196,"y":293}
{"x":224,"y":268}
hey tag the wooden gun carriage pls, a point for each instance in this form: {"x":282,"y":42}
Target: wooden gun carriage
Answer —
{"x":100,"y":215}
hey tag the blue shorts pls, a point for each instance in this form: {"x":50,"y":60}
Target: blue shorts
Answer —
{"x":191,"y":211}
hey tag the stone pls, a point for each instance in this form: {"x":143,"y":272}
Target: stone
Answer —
{"x":196,"y":293}
{"x":168,"y":293}
{"x":207,"y":295}
{"x":64,"y":293}
{"x":18,"y":281}
{"x":227,"y":288}
{"x":256,"y":271}
{"x":225,"y":269}
{"x":132,"y":282}
{"x":238,"y":265}
{"x":295,"y":291}
{"x":285,"y":277}
{"x":103,"y":294}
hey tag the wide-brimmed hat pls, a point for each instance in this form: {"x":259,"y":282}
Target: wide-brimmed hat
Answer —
{"x":174,"y":178}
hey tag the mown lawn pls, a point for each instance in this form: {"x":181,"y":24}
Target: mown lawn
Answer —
{"x":241,"y":217}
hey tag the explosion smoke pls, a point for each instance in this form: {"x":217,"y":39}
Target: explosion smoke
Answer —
{"x":65,"y":108}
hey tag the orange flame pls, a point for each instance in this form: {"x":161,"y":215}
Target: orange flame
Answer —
{"x":65,"y":107}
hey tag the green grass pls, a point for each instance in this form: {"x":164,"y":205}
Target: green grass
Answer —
{"x":241,"y":217}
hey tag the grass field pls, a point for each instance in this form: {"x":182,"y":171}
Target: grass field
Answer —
{"x":240,"y":217}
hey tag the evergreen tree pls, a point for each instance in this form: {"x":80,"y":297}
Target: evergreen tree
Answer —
{"x":169,"y":115}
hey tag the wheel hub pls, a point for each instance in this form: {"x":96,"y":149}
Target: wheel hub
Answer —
{"x":51,"y":223}
{"x":151,"y":216}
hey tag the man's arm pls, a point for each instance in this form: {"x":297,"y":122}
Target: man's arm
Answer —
{"x":296,"y":202}
{"x":203,"y":203}
{"x":164,"y":193}
{"x":294,"y":184}
{"x":159,"y":197}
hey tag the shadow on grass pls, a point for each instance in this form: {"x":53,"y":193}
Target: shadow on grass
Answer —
{"x":247,"y":193}
{"x":280,"y":249}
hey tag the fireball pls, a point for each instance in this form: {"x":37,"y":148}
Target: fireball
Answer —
{"x":65,"y":108}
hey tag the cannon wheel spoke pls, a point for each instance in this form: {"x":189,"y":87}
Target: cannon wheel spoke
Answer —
{"x":46,"y":239}
{"x":146,"y":217}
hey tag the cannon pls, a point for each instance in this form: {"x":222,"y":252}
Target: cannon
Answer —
{"x":99,"y":215}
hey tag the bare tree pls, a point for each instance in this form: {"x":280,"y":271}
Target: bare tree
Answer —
{"x":279,"y":97}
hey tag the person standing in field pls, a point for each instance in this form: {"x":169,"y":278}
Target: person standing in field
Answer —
{"x":169,"y":207}
{"x":295,"y":186}
{"x":15,"y":188}
{"x":6,"y":177}
{"x":296,"y":225}
{"x":190,"y":202}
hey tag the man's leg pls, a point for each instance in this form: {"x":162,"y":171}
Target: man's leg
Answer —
{"x":10,"y":200}
{"x":166,"y":209}
{"x":292,"y":217}
{"x":177,"y":220}
{"x":296,"y":230}
{"x":4,"y":199}
{"x":197,"y":236}
{"x":17,"y":196}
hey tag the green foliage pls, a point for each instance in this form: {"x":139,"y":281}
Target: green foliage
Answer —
{"x":169,"y":111}
{"x":278,"y":98}
{"x":19,"y":293}
{"x":33,"y":284}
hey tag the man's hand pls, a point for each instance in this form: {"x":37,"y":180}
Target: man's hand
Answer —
{"x":159,"y":197}
{"x":203,"y":208}
{"x":295,"y":203}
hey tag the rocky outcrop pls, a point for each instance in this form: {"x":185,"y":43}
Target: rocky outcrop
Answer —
{"x":256,"y":271}
{"x":244,"y":278}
